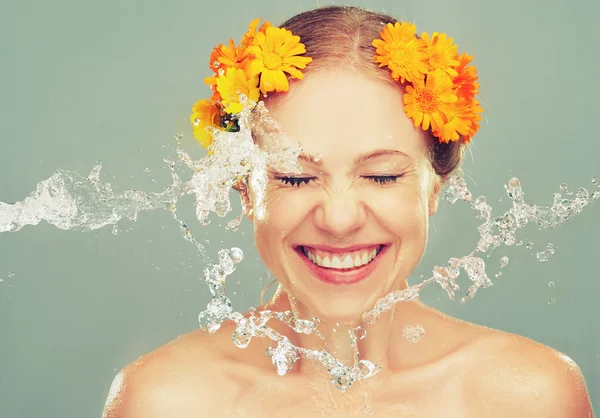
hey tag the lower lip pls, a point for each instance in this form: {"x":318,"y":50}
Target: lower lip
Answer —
{"x":350,"y":276}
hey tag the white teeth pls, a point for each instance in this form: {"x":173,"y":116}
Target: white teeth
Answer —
{"x":348,"y":263}
{"x":336,"y":263}
{"x":364,"y":259}
{"x":350,"y":260}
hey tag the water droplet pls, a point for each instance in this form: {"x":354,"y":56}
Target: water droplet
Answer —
{"x":413,"y":333}
{"x":504,"y":261}
{"x":529,"y":245}
{"x":551,"y":284}
{"x":544,"y":256}
{"x":318,"y":157}
{"x":11,"y":274}
{"x":148,"y":169}
{"x":115,"y":229}
{"x":196,"y":122}
{"x":552,"y":301}
{"x":236,"y":254}
{"x":596,"y":195}
{"x":498,"y":274}
{"x":594,"y":180}
{"x":234,"y":223}
{"x":563,"y":186}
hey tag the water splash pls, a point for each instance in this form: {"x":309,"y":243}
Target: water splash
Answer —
{"x":71,"y":201}
{"x":413,"y":333}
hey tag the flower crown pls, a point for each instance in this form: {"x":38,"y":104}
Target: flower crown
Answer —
{"x":440,"y":85}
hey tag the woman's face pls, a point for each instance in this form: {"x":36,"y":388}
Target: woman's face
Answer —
{"x":353,"y":225}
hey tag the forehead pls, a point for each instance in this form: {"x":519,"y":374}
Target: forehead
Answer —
{"x":340,"y":114}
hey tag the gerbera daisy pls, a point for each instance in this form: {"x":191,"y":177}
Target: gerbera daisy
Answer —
{"x":429,"y":102}
{"x":275,"y":52}
{"x":443,"y":54}
{"x":233,"y":83}
{"x":404,"y":54}
{"x":204,"y":113}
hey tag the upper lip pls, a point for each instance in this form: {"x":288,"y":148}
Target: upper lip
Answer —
{"x":331,"y":249}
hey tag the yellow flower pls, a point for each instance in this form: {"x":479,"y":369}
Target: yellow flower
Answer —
{"x":462,"y":122}
{"x":223,"y":57}
{"x":233,"y":83}
{"x":204,"y":113}
{"x":459,"y":118}
{"x":275,"y":52}
{"x":404,"y":54}
{"x":429,"y":102}
{"x":443,"y":54}
{"x":249,"y":36}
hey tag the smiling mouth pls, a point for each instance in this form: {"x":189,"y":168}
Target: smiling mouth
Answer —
{"x":341,"y":261}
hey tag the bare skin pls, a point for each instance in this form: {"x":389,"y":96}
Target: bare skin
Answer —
{"x":457,"y":369}
{"x":354,"y":122}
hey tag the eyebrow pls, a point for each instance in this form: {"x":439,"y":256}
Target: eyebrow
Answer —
{"x":360,"y":159}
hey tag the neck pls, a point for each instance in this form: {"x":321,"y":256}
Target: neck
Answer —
{"x":337,"y":338}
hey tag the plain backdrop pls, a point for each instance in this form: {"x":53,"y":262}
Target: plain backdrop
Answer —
{"x":113,"y":81}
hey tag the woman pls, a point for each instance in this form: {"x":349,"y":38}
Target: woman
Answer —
{"x":346,"y":231}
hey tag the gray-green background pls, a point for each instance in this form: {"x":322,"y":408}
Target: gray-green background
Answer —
{"x":114,"y":80}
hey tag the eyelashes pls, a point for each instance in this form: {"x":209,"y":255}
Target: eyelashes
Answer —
{"x":299,"y":181}
{"x":295,"y":181}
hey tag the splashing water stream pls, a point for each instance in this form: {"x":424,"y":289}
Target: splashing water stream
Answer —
{"x":71,"y":201}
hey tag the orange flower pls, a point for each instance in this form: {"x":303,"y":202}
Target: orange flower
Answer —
{"x":249,"y":36}
{"x":443,"y":54}
{"x":473,"y":123}
{"x":214,"y":63}
{"x":465,"y":82}
{"x":458,"y":122}
{"x":400,"y":50}
{"x":276,"y":52}
{"x":222,"y":58}
{"x":429,"y":102}
{"x":205,"y":113}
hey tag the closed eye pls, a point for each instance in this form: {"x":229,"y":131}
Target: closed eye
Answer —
{"x":295,"y":181}
{"x":382,"y":179}
{"x":299,"y":181}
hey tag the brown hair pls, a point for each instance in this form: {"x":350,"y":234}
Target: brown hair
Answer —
{"x":335,"y":35}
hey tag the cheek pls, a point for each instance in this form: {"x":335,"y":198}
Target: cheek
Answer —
{"x":283,"y":214}
{"x":403,"y":209}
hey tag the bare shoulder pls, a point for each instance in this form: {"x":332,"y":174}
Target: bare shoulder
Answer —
{"x":183,"y":378}
{"x":514,"y":376}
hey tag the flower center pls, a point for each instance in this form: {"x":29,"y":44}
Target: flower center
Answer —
{"x":400,"y":55}
{"x":426,"y":100}
{"x":272,"y":61}
{"x":439,"y":60}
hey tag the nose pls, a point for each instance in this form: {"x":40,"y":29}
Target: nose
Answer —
{"x":341,"y":213}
